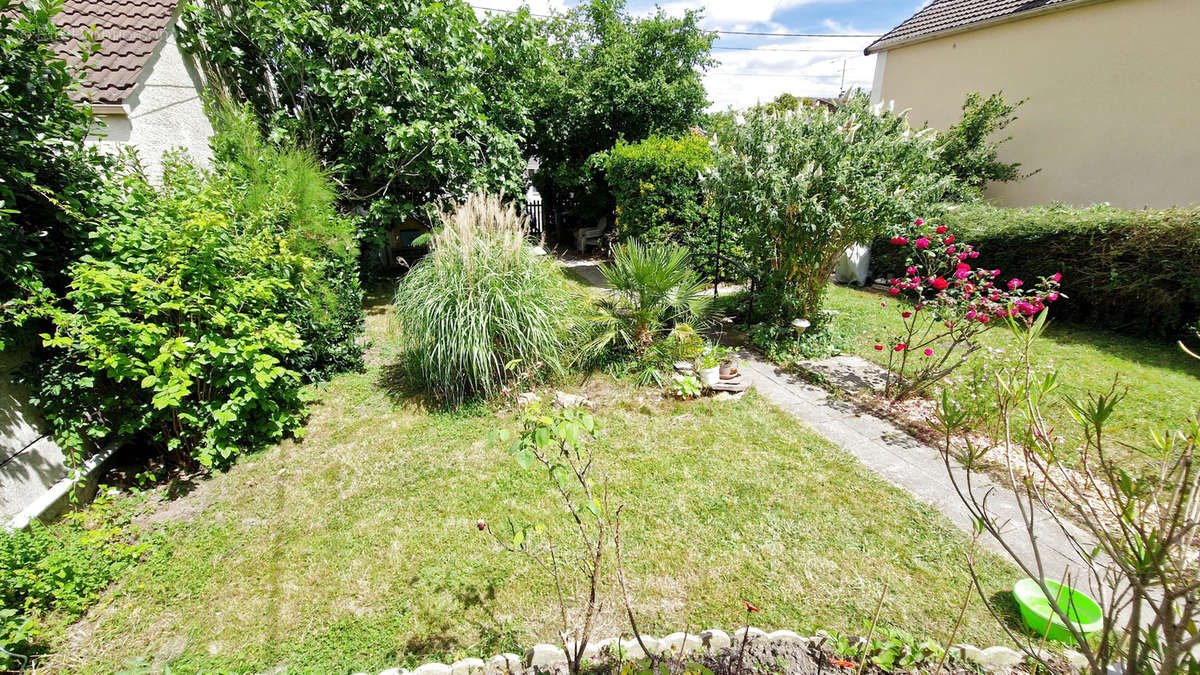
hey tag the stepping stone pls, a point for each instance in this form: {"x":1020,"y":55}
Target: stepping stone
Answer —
{"x":786,"y":636}
{"x":630,"y":649}
{"x":754,"y":633}
{"x":505,"y":663}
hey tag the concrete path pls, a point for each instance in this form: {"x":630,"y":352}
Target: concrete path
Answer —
{"x":913,"y":466}
{"x":589,"y":270}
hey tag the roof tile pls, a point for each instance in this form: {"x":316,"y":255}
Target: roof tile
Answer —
{"x":940,"y":16}
{"x":128,"y":31}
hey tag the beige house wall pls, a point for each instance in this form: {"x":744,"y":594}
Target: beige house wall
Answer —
{"x":1114,"y":99}
{"x":164,"y":112}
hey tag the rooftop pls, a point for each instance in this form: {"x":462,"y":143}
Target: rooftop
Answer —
{"x":128,"y":31}
{"x":946,"y":16}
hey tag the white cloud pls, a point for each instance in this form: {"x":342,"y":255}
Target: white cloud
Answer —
{"x":745,"y":78}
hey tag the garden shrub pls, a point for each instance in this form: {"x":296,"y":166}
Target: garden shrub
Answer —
{"x":659,"y":194}
{"x":197,"y":314}
{"x":806,"y":184}
{"x":611,"y":74}
{"x":174,"y":328}
{"x":284,"y":188}
{"x":48,"y":177}
{"x":60,"y":568}
{"x":967,"y":149}
{"x":952,"y":302}
{"x":653,"y":290}
{"x":1137,"y":272}
{"x":481,"y":302}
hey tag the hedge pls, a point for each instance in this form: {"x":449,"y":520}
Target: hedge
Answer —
{"x":658,"y":191}
{"x":1137,"y":272}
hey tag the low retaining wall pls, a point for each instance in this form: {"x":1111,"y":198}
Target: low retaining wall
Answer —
{"x":997,"y":660}
{"x":30,"y":461}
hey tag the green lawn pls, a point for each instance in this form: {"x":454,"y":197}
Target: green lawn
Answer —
{"x":1163,"y":383}
{"x":356,"y":547}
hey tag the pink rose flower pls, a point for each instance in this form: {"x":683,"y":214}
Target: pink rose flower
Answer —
{"x":941,"y":229}
{"x":1014,"y":284}
{"x":928,"y":352}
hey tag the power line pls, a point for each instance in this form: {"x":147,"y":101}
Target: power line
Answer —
{"x":768,"y":50}
{"x":781,"y":75}
{"x":723,"y":32}
{"x":806,"y":35}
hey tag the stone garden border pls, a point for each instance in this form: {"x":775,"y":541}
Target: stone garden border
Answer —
{"x":999,"y":660}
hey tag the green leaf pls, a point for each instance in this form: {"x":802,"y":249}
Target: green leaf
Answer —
{"x":524,"y":457}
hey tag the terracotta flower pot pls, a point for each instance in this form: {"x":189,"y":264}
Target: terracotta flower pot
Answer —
{"x":728,"y":370}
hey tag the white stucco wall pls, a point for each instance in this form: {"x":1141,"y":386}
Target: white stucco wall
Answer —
{"x":1114,"y":99}
{"x":165,"y":110}
{"x":30,"y":461}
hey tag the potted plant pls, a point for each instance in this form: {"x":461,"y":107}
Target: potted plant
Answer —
{"x":728,"y":366}
{"x":709,"y":365}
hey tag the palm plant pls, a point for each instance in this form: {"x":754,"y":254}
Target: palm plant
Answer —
{"x":652,"y":289}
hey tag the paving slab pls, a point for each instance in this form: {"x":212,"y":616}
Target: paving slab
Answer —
{"x":911,"y":465}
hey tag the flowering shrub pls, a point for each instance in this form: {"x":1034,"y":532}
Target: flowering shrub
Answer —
{"x":806,"y":185}
{"x":952,"y":304}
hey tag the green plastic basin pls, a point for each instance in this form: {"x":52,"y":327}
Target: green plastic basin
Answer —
{"x":1083,"y":611}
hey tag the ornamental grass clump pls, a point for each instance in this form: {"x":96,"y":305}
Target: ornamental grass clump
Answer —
{"x":481,"y":302}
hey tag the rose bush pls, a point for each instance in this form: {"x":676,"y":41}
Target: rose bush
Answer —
{"x":953,"y":303}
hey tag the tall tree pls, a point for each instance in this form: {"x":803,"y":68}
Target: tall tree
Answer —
{"x":407,"y":101}
{"x":613,"y":76}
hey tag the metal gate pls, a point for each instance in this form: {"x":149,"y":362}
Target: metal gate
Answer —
{"x":536,"y":210}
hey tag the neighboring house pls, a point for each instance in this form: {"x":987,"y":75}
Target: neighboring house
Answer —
{"x":1113,"y":85}
{"x":145,"y":91}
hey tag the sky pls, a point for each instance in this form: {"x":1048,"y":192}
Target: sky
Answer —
{"x":756,"y":69}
